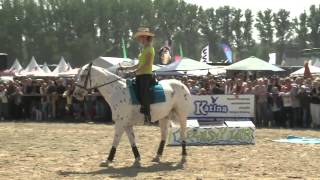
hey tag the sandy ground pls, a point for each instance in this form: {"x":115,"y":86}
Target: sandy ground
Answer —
{"x":74,"y":151}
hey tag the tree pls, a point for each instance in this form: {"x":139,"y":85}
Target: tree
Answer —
{"x":314,"y":25}
{"x":301,"y":29}
{"x":265,"y":29}
{"x":282,"y":25}
{"x":248,"y":41}
{"x":237,"y":27}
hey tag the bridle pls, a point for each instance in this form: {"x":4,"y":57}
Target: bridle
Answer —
{"x":88,"y":80}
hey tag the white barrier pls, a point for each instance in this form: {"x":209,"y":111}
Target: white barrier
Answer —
{"x":229,"y":132}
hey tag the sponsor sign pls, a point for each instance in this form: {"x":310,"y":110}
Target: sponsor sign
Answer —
{"x":223,"y":107}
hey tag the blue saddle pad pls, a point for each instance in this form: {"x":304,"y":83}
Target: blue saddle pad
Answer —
{"x":157,"y":94}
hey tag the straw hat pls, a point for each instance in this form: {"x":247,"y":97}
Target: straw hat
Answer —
{"x":143,"y":31}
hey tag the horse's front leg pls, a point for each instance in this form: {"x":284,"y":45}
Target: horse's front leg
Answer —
{"x":163,"y":123}
{"x":131,"y":137}
{"x":116,"y":140}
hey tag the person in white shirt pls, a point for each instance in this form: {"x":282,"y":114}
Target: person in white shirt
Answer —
{"x":287,"y":106}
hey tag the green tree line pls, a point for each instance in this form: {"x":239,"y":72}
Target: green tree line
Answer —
{"x":81,"y":30}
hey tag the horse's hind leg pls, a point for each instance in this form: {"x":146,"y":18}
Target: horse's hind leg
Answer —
{"x":163,"y":123}
{"x":116,"y":140}
{"x":131,"y":137}
{"x":183,"y":128}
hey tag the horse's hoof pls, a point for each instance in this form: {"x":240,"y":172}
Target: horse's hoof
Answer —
{"x":156,"y":159}
{"x":137,"y":164}
{"x":105,"y":163}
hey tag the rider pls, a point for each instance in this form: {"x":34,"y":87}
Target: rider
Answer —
{"x":143,"y":70}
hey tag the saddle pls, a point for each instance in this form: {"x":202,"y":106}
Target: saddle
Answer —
{"x":156,"y":92}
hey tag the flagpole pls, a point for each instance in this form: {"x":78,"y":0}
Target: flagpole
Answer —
{"x":124,"y":52}
{"x":181,"y":51}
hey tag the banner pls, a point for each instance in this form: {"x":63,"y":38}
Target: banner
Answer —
{"x":222,"y":107}
{"x":227,"y":51}
{"x":205,"y":55}
{"x":272,"y":58}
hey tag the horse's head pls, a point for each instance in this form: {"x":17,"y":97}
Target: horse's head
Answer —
{"x":91,"y":77}
{"x":82,"y":82}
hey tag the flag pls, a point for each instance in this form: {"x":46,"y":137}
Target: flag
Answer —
{"x":181,"y":51}
{"x":272,"y":58}
{"x":124,"y":51}
{"x":227,"y":51}
{"x":205,"y":55}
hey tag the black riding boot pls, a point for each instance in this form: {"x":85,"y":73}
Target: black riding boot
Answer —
{"x":147,"y":115}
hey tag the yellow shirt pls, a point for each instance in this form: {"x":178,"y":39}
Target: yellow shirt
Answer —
{"x":143,"y":60}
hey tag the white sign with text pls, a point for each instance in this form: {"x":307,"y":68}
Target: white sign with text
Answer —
{"x":223,"y":106}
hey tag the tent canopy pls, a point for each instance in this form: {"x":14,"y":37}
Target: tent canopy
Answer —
{"x":253,"y":64}
{"x":45,"y":68}
{"x":107,"y":62}
{"x":16,"y":66}
{"x":70,"y":73}
{"x":113,"y":63}
{"x":185,"y":64}
{"x":300,"y":72}
{"x":61,"y":67}
{"x":33,"y":69}
{"x":188,"y":66}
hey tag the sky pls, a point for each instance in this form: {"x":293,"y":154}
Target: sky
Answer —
{"x":296,"y":7}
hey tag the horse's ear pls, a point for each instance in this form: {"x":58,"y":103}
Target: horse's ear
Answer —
{"x":90,"y":64}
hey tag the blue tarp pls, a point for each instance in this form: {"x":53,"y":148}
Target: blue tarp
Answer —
{"x":299,"y":140}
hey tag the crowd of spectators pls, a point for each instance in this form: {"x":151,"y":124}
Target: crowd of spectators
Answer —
{"x":48,"y":99}
{"x":280,"y":102}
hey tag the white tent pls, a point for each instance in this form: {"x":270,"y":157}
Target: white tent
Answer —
{"x":14,"y":69}
{"x":69,"y":66}
{"x":317,"y":63}
{"x":107,"y":62}
{"x":313,"y":70}
{"x":33,"y":69}
{"x":61,"y":67}
{"x":16,"y":66}
{"x":45,"y":68}
{"x":70,"y":73}
{"x":189,"y":67}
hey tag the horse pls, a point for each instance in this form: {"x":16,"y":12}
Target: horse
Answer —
{"x":125,"y":115}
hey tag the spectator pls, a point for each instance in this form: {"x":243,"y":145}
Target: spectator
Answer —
{"x":3,"y":102}
{"x":287,"y":107}
{"x":44,"y":100}
{"x":315,"y":103}
{"x":304,"y":96}
{"x":275,"y":102}
{"x":260,"y":90}
{"x":296,"y":106}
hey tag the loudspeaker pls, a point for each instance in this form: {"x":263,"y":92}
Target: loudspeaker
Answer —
{"x":3,"y":61}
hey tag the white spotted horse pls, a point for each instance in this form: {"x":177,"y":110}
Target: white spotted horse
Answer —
{"x":126,"y":114}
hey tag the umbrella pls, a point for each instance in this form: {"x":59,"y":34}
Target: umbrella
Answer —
{"x":253,"y":64}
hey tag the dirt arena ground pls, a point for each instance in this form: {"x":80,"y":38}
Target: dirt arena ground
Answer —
{"x":74,"y":151}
